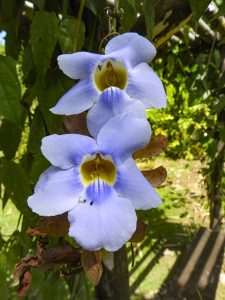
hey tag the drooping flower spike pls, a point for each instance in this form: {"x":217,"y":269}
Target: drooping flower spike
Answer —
{"x":124,"y":65}
{"x":97,"y":182}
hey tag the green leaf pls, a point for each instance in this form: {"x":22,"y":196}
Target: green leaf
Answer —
{"x":39,"y":3}
{"x":40,"y":164}
{"x":222,"y":134}
{"x":170,"y":64}
{"x":44,"y":34}
{"x":149,"y":14}
{"x":4,"y":276}
{"x":10,"y":91}
{"x":27,"y":62}
{"x":16,"y":184}
{"x":9,"y":145}
{"x":220,"y":105}
{"x":95,"y":6}
{"x":48,"y":285}
{"x":134,"y":4}
{"x":128,"y":19}
{"x":198,"y":7}
{"x":37,"y":132}
{"x":12,"y":42}
{"x":221,"y":11}
{"x":58,"y":84}
{"x":10,"y":11}
{"x":68,"y":30}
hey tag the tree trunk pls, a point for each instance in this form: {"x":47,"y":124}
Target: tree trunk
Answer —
{"x":215,"y":194}
{"x":114,"y":285}
{"x":216,"y":188}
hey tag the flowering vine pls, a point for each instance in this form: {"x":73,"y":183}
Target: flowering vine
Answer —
{"x":96,"y":179}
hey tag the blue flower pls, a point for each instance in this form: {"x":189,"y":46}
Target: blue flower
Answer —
{"x":97,"y":182}
{"x":112,"y":102}
{"x":123,"y":66}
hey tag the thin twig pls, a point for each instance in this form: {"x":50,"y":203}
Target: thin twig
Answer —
{"x":18,"y":222}
{"x":132,"y":255}
{"x":199,"y":293}
{"x":82,"y":3}
{"x":211,"y":51}
{"x":105,"y":38}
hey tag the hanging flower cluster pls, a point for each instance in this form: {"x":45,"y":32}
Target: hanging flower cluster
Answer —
{"x":95,"y":179}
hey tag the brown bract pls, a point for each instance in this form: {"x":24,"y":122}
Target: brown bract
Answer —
{"x":57,"y":226}
{"x":45,"y":259}
{"x":76,"y":124}
{"x":92,"y":264}
{"x":156,"y":176}
{"x":157,"y":145}
{"x":140,"y":232}
{"x":25,"y":283}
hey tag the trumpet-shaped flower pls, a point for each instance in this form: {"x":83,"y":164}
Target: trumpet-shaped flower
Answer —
{"x":97,"y":182}
{"x":124,"y":65}
{"x":112,"y":102}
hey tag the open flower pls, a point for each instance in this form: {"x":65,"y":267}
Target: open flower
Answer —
{"x":97,"y":182}
{"x":124,"y":66}
{"x":112,"y":102}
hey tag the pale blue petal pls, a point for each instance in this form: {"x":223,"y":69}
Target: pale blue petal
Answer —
{"x":132,"y":185}
{"x":97,"y":116}
{"x":56,"y":192}
{"x":112,"y":102}
{"x":98,"y":191}
{"x":122,"y":136}
{"x":131,"y":47}
{"x":78,"y":99}
{"x":67,"y":150}
{"x":145,"y":85}
{"x":78,"y":65}
{"x":108,"y":223}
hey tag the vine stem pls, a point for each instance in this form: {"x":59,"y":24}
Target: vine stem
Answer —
{"x":105,"y":39}
{"x":80,"y":13}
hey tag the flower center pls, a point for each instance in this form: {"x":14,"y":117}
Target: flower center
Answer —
{"x":110,"y":73}
{"x":97,"y":167}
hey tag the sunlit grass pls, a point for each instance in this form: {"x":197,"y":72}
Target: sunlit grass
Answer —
{"x":171,"y":226}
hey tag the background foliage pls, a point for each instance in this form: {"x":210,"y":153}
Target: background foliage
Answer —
{"x":37,"y":31}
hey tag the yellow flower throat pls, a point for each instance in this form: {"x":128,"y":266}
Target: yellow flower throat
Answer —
{"x":110,"y":73}
{"x":97,"y":167}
